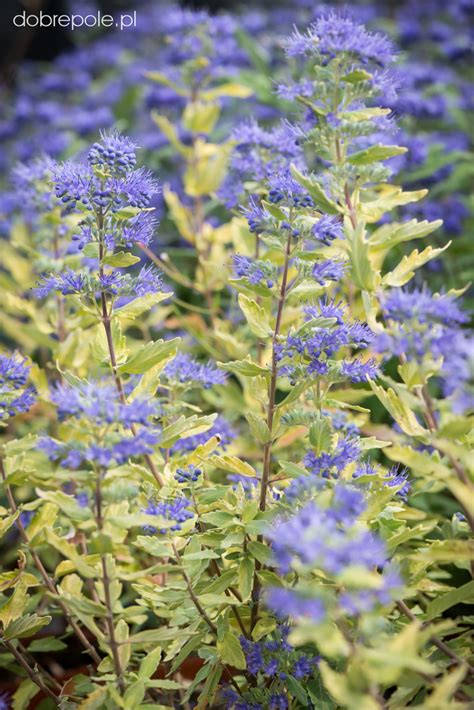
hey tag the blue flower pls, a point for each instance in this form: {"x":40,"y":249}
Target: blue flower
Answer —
{"x":289,"y":603}
{"x":335,"y":34}
{"x":255,"y":271}
{"x":184,"y":369}
{"x":359,"y":371}
{"x":257,"y":216}
{"x":188,"y":475}
{"x":221,"y":429}
{"x":331,"y":463}
{"x":15,"y":397}
{"x":328,"y":270}
{"x":327,"y":229}
{"x":114,"y":151}
{"x":176,"y":510}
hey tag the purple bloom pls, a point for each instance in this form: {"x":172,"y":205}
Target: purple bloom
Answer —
{"x":334,"y":34}
{"x":5,"y":700}
{"x":256,"y":215}
{"x":399,"y":477}
{"x":149,"y":280}
{"x":327,"y":229}
{"x":358,"y":371}
{"x":67,"y":282}
{"x":15,"y":397}
{"x":114,"y":152}
{"x":288,"y":603}
{"x":328,"y":464}
{"x":318,"y":538}
{"x":394,"y":478}
{"x":328,"y":270}
{"x":220,"y":429}
{"x":100,"y":403}
{"x":184,"y":369}
{"x":190,"y":474}
{"x":255,"y":271}
{"x":176,"y":510}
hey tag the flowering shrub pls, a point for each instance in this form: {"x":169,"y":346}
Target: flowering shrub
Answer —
{"x":235,"y":445}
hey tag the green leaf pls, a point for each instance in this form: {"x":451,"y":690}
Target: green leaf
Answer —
{"x":230,"y":651}
{"x":167,"y":128}
{"x":297,"y":691}
{"x":259,"y":428}
{"x":6,"y":523}
{"x":122,"y":259}
{"x":42,"y":521}
{"x":316,"y":191}
{"x":139,"y":305}
{"x":358,"y":75}
{"x":408,"y":534}
{"x":185,"y":427}
{"x":207,"y":170}
{"x":233,"y":464}
{"x":388,"y":197}
{"x":122,"y":634}
{"x":448,"y":551}
{"x":25,"y":626}
{"x":261,"y":552}
{"x":362,"y":271}
{"x":246,"y":570}
{"x":134,"y":695}
{"x":263,"y":627}
{"x":375,"y":154}
{"x":181,"y":215}
{"x":405,"y":269}
{"x":25,"y":692}
{"x":161,"y":78}
{"x":200,"y":116}
{"x":399,"y":410}
{"x":149,"y":355}
{"x":246,"y":367}
{"x":389,"y":235}
{"x":228,"y":88}
{"x":46,"y":645}
{"x":255,"y":316}
{"x":320,"y":435}
{"x":461,"y":595}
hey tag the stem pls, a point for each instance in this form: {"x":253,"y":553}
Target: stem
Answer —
{"x":274,"y":374}
{"x":47,"y":675}
{"x":31,"y":673}
{"x":191,"y":591}
{"x":49,"y":583}
{"x":267,"y":450}
{"x":215,"y":567}
{"x":113,"y":364}
{"x":106,"y":584}
{"x":441,"y":645}
{"x":59,"y":297}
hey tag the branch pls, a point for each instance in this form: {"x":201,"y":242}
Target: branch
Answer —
{"x":50,"y":585}
{"x":32,"y":675}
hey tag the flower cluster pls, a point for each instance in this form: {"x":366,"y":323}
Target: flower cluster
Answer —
{"x":114,"y":283}
{"x":175,"y":511}
{"x":188,"y":475}
{"x":277,"y":658}
{"x":185,"y":370}
{"x":116,"y":430}
{"x":420,"y":324}
{"x":221,"y":430}
{"x":332,"y":541}
{"x":15,"y":396}
{"x":255,"y":271}
{"x":335,"y":36}
{"x":310,"y":352}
